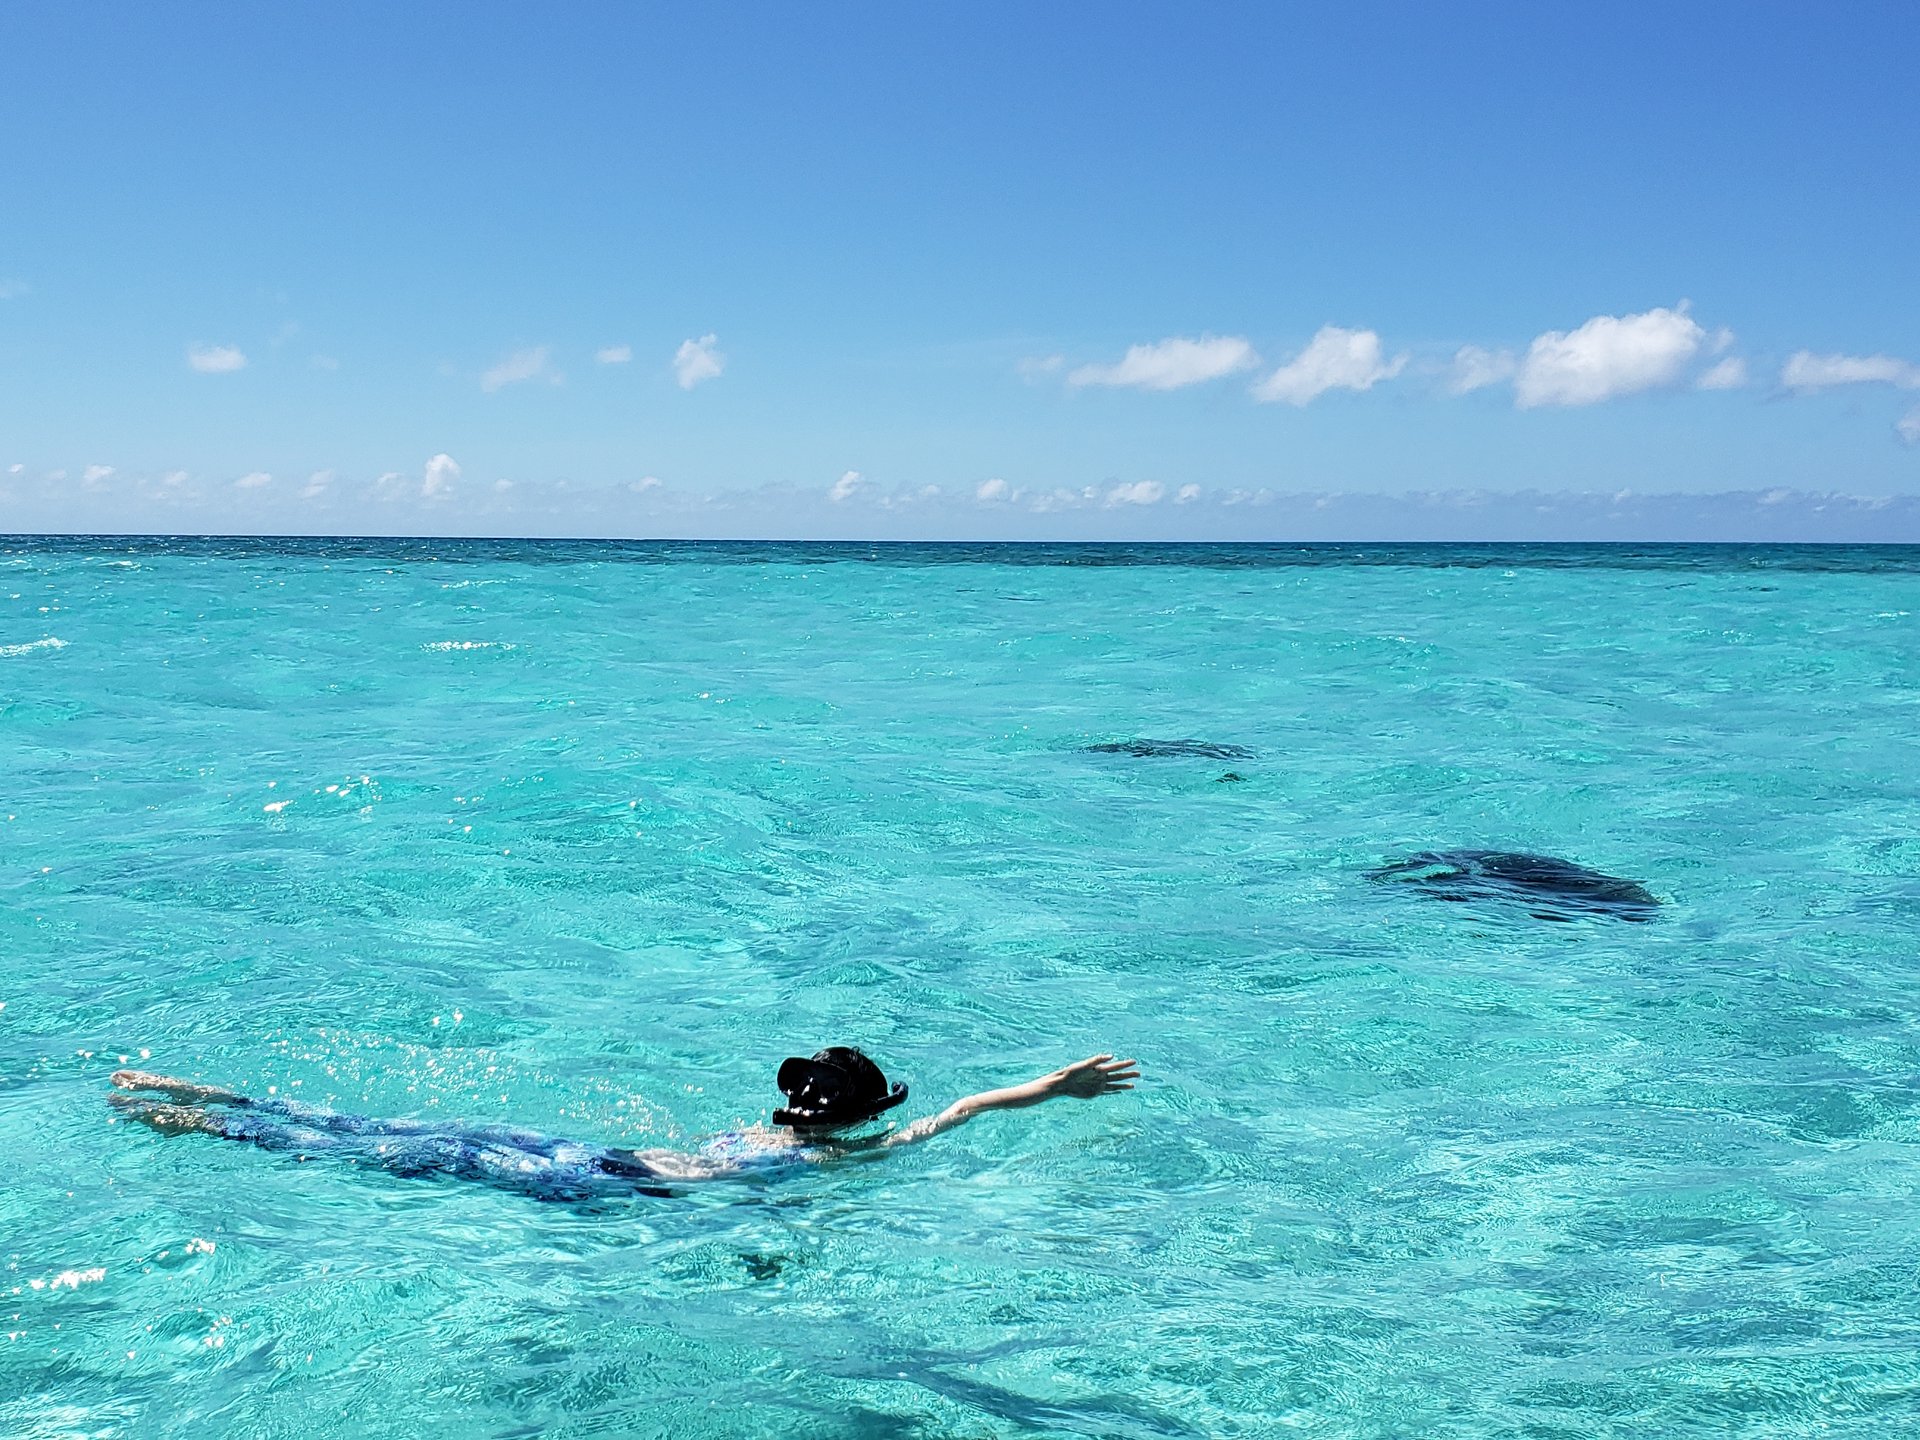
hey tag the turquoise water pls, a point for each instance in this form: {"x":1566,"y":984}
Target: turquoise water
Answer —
{"x":589,"y":837}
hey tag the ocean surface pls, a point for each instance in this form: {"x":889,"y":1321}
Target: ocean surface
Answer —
{"x":588,"y":837}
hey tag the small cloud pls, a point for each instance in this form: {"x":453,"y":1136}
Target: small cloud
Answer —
{"x":1188,"y":494}
{"x":698,"y":360}
{"x":1040,"y":367}
{"x":502,"y":486}
{"x":1062,"y":498}
{"x":12,"y":289}
{"x":174,"y":479}
{"x":15,"y":468}
{"x":992,"y":490}
{"x":1171,"y":364}
{"x":253,"y":480}
{"x":1609,"y":356}
{"x":1141,"y":492}
{"x":215,"y":359}
{"x":286,"y":332}
{"x":1475,"y":369}
{"x":1807,"y":371}
{"x":844,"y":487}
{"x":94,"y":474}
{"x":1907,"y":427}
{"x":325,"y":362}
{"x":521,"y":365}
{"x":1335,"y":359}
{"x":317,"y":484}
{"x":442,"y":470}
{"x":644,"y":484}
{"x":613,"y":354}
{"x":1728,"y":374}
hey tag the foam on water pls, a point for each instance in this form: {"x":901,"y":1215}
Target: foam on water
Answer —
{"x":589,"y":837}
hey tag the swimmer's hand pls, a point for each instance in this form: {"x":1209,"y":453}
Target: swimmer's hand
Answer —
{"x":1086,"y":1079}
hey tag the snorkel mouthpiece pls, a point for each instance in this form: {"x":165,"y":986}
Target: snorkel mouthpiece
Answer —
{"x":837,"y":1086}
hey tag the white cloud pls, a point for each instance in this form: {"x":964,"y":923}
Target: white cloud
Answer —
{"x":613,"y":354}
{"x":642,"y":485}
{"x":94,"y":474}
{"x":844,"y":487}
{"x":698,"y":360}
{"x":1141,"y":492}
{"x":991,"y":490}
{"x":317,"y":484}
{"x":1188,"y":494}
{"x":1807,"y":371}
{"x":253,"y":480}
{"x":442,"y":470}
{"x":1062,"y":498}
{"x":174,"y":479}
{"x":1908,"y":427}
{"x":1609,"y":356}
{"x":1475,"y":369}
{"x":1171,"y":364}
{"x":1729,"y":374}
{"x":528,"y":364}
{"x":1335,"y":359}
{"x":15,"y":468}
{"x":215,"y":359}
{"x":1039,"y":367}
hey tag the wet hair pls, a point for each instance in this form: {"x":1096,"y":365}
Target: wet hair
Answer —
{"x":837,"y":1086}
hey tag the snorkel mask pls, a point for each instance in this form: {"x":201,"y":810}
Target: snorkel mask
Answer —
{"x":838,"y":1086}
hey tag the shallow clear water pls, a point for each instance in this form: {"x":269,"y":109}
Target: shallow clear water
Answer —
{"x":589,"y":837}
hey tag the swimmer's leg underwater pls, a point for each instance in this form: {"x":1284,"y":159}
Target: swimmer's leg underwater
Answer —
{"x":503,"y":1157}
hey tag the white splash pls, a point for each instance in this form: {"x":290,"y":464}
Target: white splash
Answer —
{"x":71,"y":1279}
{"x":50,"y":643}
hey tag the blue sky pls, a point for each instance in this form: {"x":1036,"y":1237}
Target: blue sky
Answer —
{"x":1245,"y":271}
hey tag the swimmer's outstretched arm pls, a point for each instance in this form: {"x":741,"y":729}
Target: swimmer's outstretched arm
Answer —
{"x":1087,"y":1079}
{"x":186,"y":1091}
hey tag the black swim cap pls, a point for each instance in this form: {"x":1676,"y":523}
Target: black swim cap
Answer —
{"x":838,"y":1086}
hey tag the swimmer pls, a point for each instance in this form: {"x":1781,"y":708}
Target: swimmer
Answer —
{"x":831,"y":1098}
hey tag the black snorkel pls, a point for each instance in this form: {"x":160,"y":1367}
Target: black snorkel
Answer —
{"x":837,"y":1087}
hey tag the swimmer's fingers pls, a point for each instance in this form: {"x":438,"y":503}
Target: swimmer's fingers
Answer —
{"x":1114,"y":1073}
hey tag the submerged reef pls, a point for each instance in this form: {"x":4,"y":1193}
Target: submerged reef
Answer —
{"x":1550,"y":888}
{"x":1161,"y":749}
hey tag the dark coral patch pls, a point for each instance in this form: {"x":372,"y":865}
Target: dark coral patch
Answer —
{"x":1550,"y":888}
{"x":1162,"y":749}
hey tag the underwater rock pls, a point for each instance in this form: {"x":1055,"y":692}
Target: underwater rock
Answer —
{"x":1552,"y":889}
{"x":1158,"y":749}
{"x":1230,"y":778}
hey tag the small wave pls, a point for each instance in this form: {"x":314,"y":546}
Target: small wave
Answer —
{"x":468,"y":645}
{"x":50,"y":643}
